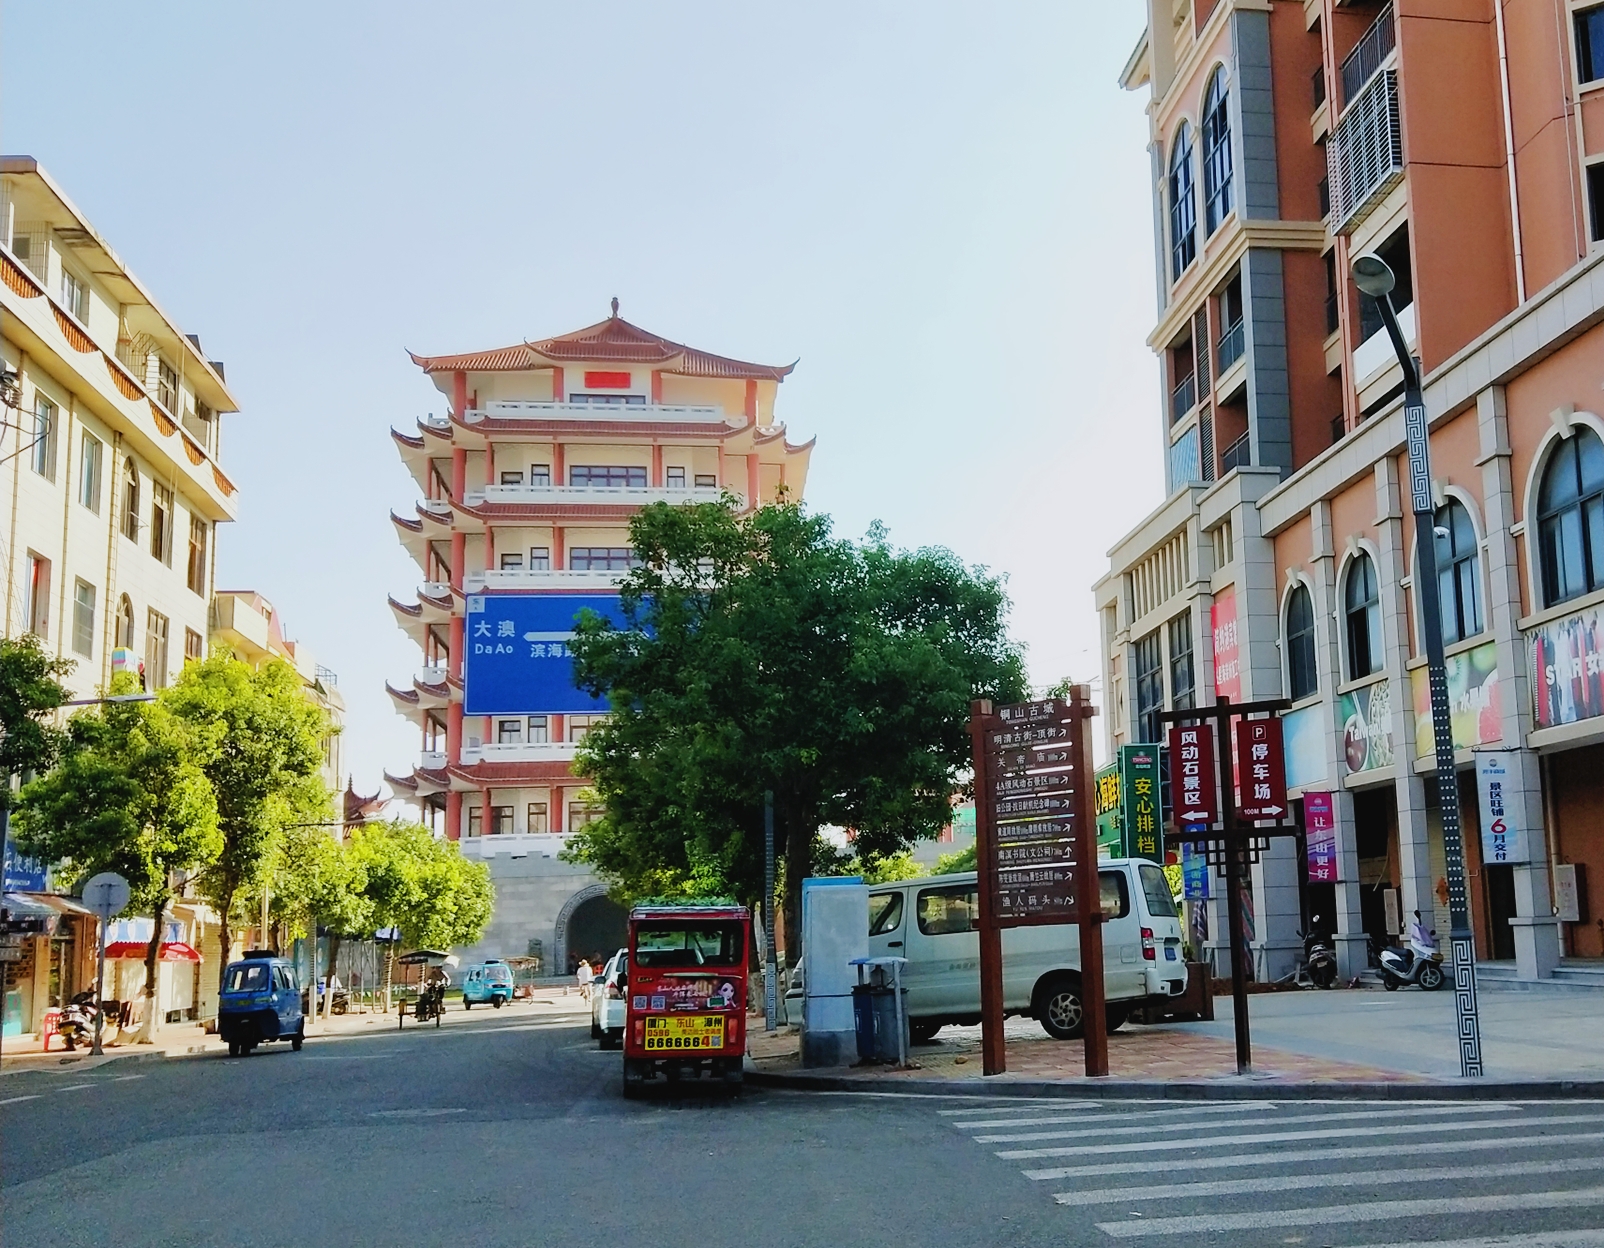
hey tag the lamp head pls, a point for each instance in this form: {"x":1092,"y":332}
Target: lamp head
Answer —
{"x":1372,"y":275}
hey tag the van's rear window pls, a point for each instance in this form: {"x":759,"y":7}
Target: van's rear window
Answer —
{"x":252,"y":977}
{"x":1160,"y":901}
{"x":701,"y":944}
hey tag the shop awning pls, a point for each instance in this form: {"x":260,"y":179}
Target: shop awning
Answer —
{"x":171,"y":951}
{"x":60,"y":904}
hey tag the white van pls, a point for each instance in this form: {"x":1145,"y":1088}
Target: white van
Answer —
{"x":931,"y":922}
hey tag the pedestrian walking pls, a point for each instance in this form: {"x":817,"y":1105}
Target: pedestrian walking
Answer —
{"x":585,"y":975}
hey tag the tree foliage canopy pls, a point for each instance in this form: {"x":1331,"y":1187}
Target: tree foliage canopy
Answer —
{"x":762,"y":653}
{"x":423,"y":886}
{"x":30,"y":689}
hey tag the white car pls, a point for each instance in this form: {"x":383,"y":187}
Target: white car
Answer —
{"x":607,"y":1002}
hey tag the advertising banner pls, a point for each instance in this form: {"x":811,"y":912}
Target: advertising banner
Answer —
{"x":1320,"y":822}
{"x":1367,"y":727}
{"x":1474,"y":706}
{"x":1568,"y":669}
{"x":1194,"y":873}
{"x":1139,"y":801}
{"x":1227,"y":656}
{"x":1106,"y":804}
{"x":516,"y":659}
{"x":1303,"y":732}
{"x":1503,"y":836}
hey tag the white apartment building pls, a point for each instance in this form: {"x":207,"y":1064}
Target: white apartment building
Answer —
{"x":110,"y":484}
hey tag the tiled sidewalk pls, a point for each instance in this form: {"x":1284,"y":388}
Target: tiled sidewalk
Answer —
{"x":1134,"y":1052}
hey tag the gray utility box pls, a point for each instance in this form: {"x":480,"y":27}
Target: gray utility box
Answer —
{"x":880,"y":1011}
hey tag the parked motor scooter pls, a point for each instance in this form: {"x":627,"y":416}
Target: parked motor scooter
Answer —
{"x":1319,"y":961}
{"x":78,"y":1020}
{"x":1420,"y":963}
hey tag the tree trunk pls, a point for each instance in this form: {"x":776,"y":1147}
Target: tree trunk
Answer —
{"x":389,"y":973}
{"x":334,"y":961}
{"x":225,"y":936}
{"x":798,"y":864}
{"x":147,"y":1026}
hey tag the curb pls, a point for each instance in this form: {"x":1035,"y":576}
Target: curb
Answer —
{"x":1233,"y":1089}
{"x":88,"y":1062}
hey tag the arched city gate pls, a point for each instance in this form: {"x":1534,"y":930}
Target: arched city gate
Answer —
{"x":590,"y":925}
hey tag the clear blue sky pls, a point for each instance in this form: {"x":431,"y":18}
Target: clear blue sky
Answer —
{"x":942,"y":209}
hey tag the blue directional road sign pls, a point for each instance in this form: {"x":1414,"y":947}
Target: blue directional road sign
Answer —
{"x":517,"y":660}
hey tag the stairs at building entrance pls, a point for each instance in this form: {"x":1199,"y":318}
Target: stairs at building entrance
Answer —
{"x":1572,"y":974}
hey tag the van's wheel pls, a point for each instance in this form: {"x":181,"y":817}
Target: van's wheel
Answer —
{"x":233,"y":1048}
{"x":595,"y":1031}
{"x":634,"y":1078}
{"x":495,"y":1002}
{"x":1117,"y":1016}
{"x":467,"y":1004}
{"x":298,"y":1039}
{"x":1431,"y":977}
{"x":734,"y":1075}
{"x":922,"y":1031}
{"x":1060,"y":1009}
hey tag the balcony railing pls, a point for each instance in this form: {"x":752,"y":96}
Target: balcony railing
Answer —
{"x":1186,"y":466}
{"x":643,"y":413}
{"x":1230,"y":348}
{"x":519,"y":752}
{"x":431,"y":674}
{"x":525,"y":578}
{"x":1183,"y":398}
{"x":1365,"y":154}
{"x":1374,"y":46}
{"x":1238,"y":455}
{"x":432,"y":760}
{"x":617,"y":495}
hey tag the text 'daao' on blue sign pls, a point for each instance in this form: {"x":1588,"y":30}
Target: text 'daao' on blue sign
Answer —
{"x":516,"y":657}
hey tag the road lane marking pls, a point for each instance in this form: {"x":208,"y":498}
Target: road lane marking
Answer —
{"x":1330,"y":1215}
{"x":12,"y":1100}
{"x":1302,"y":1182}
{"x":75,"y":1087}
{"x":1239,"y":1160}
{"x":1002,"y":1104}
{"x":1276,"y":1137}
{"x":124,"y":1078}
{"x":1372,"y":1115}
{"x":413,"y":1113}
{"x":1536,"y":1239}
{"x":1227,"y":1108}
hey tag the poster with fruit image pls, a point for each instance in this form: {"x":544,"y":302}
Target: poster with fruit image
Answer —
{"x":1474,"y":707}
{"x":1367,"y":727}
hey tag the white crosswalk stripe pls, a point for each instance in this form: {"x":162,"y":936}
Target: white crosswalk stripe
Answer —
{"x":1418,"y":1174}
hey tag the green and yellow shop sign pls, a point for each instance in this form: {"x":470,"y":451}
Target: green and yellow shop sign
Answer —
{"x":1110,"y":833}
{"x":1139,"y":802}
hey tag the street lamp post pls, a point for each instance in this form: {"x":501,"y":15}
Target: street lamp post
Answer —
{"x":1372,"y":276}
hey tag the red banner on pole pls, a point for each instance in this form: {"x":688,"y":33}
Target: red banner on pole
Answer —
{"x":1192,"y":774}
{"x":1262,"y":769}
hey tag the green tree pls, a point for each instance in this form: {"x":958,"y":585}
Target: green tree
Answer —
{"x":320,"y":880}
{"x":959,"y":860}
{"x":129,"y":795}
{"x":422,"y":886}
{"x":30,"y":691}
{"x":265,"y":772}
{"x":761,"y":653}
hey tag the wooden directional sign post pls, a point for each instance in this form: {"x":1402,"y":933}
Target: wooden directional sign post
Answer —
{"x":1205,"y":810}
{"x":1036,"y":850}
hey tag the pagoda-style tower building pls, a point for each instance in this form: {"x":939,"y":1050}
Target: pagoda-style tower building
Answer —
{"x":529,"y":482}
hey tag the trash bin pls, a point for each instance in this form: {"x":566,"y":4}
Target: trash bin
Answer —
{"x":880,"y":1011}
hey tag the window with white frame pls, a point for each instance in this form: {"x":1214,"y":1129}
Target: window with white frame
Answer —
{"x":509,"y":731}
{"x":46,"y":419}
{"x":1570,"y":519}
{"x":89,"y":461}
{"x":1362,"y":607}
{"x":156,"y":626}
{"x":1216,"y":153}
{"x":75,"y":295}
{"x":676,"y":478}
{"x":540,"y":558}
{"x":83,"y":619}
{"x":1303,"y":676}
{"x":1183,"y":204}
{"x":36,"y":609}
{"x":539,"y":729}
{"x":1458,"y":573}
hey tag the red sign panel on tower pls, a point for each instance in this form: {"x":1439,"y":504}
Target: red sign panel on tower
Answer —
{"x":1262,"y":769}
{"x":1192,"y":773}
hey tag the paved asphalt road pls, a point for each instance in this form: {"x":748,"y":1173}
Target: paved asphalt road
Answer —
{"x":508,"y":1129}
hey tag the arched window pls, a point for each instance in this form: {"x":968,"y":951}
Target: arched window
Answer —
{"x":130,"y":500}
{"x":1183,"y":204}
{"x":1458,"y":577}
{"x":1216,"y":154}
{"x":1362,"y":605}
{"x":125,"y":624}
{"x":1302,"y":676}
{"x":1570,"y":519}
